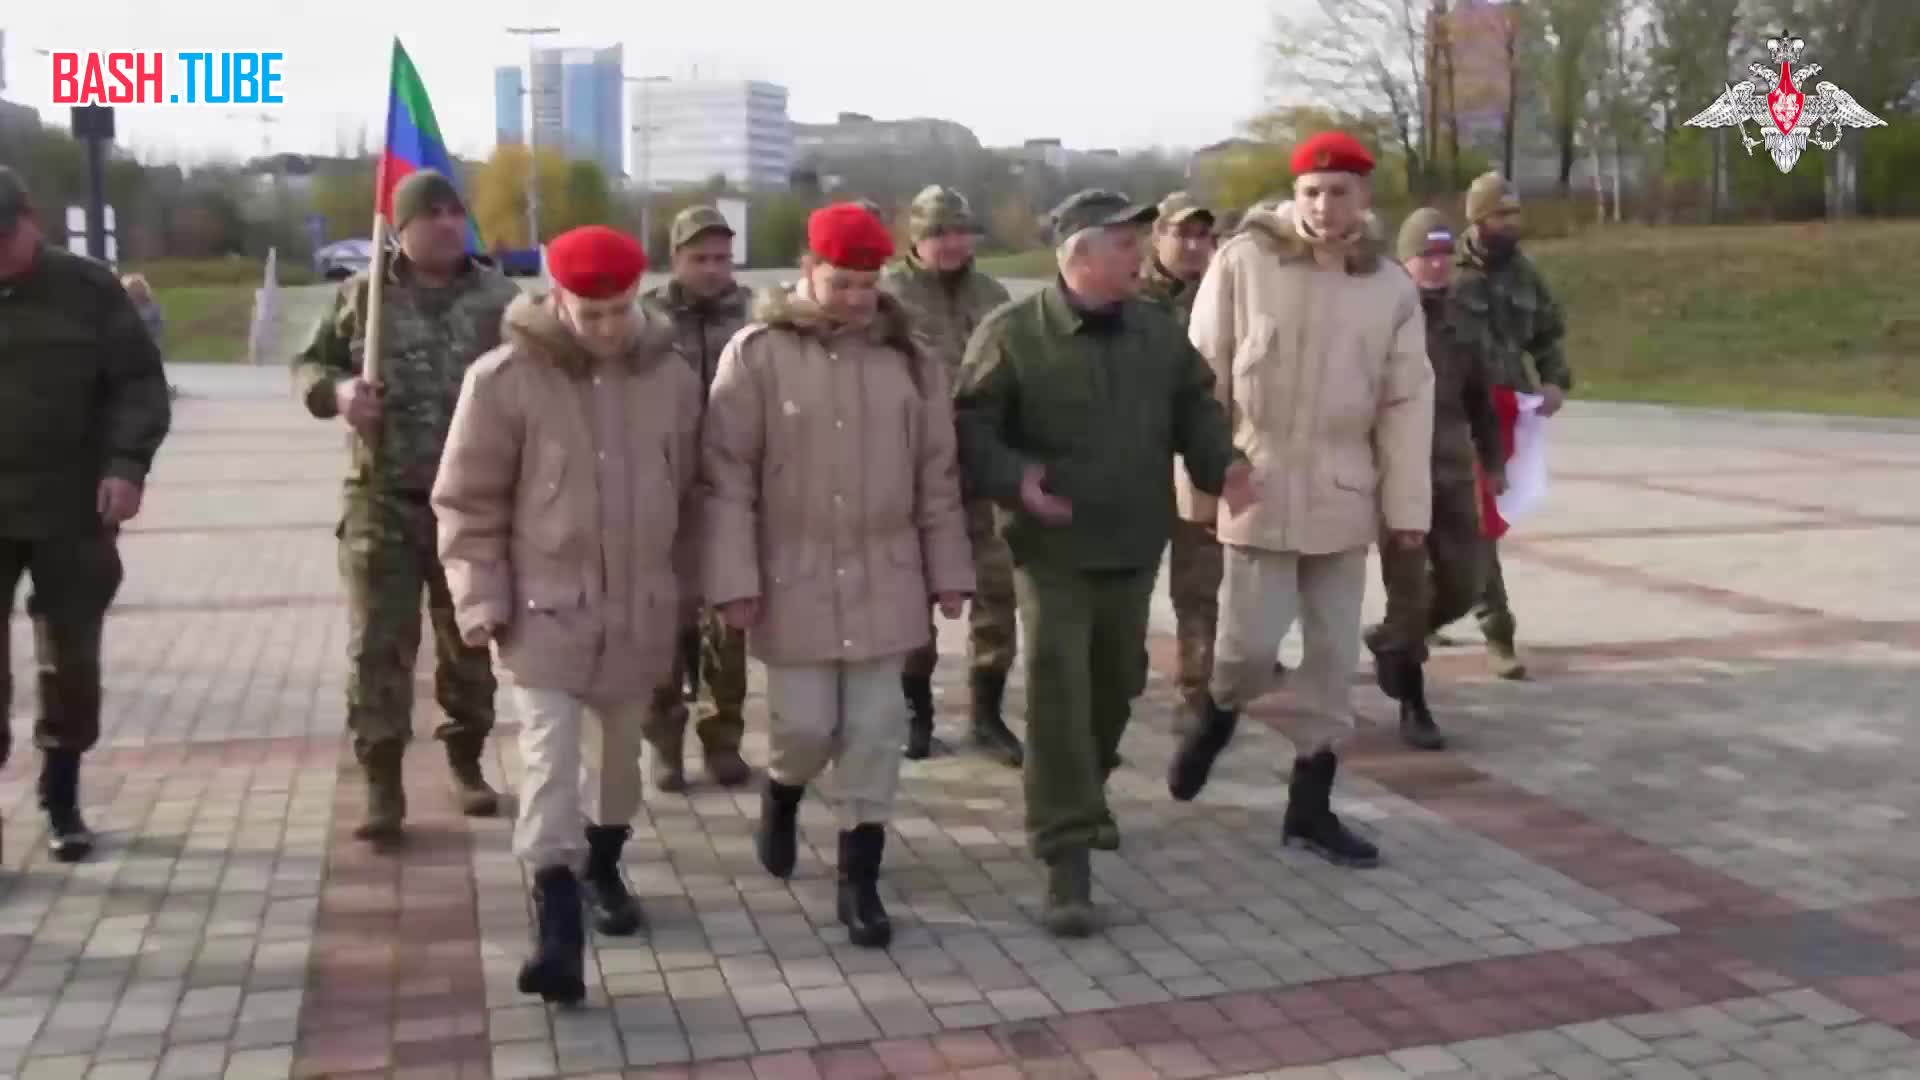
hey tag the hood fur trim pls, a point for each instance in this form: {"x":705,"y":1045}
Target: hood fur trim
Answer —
{"x":536,"y":332}
{"x":789,"y":308}
{"x":1274,"y":229}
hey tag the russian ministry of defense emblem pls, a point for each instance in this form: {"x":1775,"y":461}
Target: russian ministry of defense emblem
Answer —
{"x":1787,"y":118}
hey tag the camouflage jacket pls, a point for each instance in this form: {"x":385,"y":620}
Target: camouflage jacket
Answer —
{"x":82,"y":395}
{"x":1168,"y":291}
{"x":1464,"y":425}
{"x":945,"y":308}
{"x":429,"y":337}
{"x":1511,"y":305}
{"x":703,"y":326}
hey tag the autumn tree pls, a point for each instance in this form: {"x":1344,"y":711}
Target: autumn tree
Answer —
{"x":499,"y":196}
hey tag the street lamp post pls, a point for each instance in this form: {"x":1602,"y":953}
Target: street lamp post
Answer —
{"x":531,"y":33}
{"x":645,"y":129}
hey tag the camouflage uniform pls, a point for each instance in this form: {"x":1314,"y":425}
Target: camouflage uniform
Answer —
{"x":1506,"y":299}
{"x":945,"y":308}
{"x":82,"y":398}
{"x":1195,"y":562}
{"x":712,"y":654}
{"x":1431,"y":586}
{"x":388,"y":546}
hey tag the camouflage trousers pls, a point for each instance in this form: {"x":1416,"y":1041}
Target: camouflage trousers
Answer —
{"x":74,"y":582}
{"x":1431,"y":586}
{"x":388,"y":559}
{"x":713,"y":656}
{"x":992,"y":630}
{"x":1493,"y":612}
{"x":1194,"y":567}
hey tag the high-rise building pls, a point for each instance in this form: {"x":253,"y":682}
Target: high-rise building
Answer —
{"x":576,"y":104}
{"x":688,"y":131}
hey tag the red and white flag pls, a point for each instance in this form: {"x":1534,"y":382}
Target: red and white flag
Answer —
{"x":1523,"y":439}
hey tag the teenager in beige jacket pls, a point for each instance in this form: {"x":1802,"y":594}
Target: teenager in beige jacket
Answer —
{"x":1318,"y":350}
{"x":565,"y":500}
{"x":832,"y":520}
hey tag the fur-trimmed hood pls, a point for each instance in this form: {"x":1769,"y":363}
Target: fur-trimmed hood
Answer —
{"x":533,"y":328}
{"x":792,"y":308}
{"x":1275,"y":230}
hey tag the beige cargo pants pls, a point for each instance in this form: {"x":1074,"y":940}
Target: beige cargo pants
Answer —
{"x":1261,"y":594}
{"x":582,"y":765}
{"x":846,"y":715}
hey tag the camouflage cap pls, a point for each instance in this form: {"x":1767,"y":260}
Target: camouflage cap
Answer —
{"x":1490,"y":193}
{"x":1179,"y":206}
{"x":14,"y":201}
{"x":1094,"y":208}
{"x":420,"y":191}
{"x":1425,"y":232}
{"x":941,"y":208}
{"x":691,"y":222}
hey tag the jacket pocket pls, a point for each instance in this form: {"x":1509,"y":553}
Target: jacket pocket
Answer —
{"x":1360,"y":478}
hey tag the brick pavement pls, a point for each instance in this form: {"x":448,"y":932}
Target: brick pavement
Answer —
{"x":1683,"y":851}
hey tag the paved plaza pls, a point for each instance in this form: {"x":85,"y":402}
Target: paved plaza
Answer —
{"x":1685,"y":849}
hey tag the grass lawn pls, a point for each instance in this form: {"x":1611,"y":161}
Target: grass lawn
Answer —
{"x":1803,"y":318}
{"x":206,"y":323}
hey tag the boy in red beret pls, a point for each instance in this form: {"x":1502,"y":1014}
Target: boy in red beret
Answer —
{"x":1318,"y":350}
{"x":566,"y":508}
{"x":832,"y":519}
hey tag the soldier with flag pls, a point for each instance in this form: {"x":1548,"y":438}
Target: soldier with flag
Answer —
{"x":440,"y":311}
{"x":1431,"y":586}
{"x":1499,"y":293}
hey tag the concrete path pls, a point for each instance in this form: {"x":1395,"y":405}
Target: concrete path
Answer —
{"x":1685,"y":850}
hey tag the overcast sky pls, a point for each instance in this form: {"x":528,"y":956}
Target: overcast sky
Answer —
{"x":1091,"y":73}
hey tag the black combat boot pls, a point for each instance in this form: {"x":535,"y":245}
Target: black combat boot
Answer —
{"x":555,"y":971}
{"x":67,"y":834}
{"x":1194,"y":760}
{"x":1417,"y":728}
{"x":615,"y":912}
{"x":991,"y":736}
{"x":919,"y":694}
{"x":775,"y":841}
{"x":1069,"y":912}
{"x":386,"y":796}
{"x":859,"y":901}
{"x":1310,"y":819}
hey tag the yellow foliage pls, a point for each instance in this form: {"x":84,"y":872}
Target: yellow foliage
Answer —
{"x":499,"y":196}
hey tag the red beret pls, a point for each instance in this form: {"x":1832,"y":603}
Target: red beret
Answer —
{"x":1331,"y":151}
{"x":847,"y":234}
{"x":595,"y":262}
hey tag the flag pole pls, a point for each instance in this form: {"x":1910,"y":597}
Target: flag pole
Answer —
{"x":376,"y":285}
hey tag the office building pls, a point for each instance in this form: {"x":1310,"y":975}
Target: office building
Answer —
{"x":576,"y":104}
{"x":685,"y":132}
{"x":857,"y":134}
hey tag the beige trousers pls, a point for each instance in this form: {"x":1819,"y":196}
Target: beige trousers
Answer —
{"x":845,"y":715}
{"x":562,"y":790}
{"x":1261,"y":594}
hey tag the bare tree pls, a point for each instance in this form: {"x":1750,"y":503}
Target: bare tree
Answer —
{"x":1363,"y":56}
{"x":1573,"y":28}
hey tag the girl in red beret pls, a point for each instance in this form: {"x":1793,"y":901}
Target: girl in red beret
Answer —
{"x":832,"y":519}
{"x":566,"y":503}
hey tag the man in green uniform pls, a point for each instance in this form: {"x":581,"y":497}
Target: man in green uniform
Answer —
{"x":1071,"y":406}
{"x":706,"y":306}
{"x":1432,"y":585}
{"x":1183,"y":243}
{"x":83,"y":409}
{"x":440,"y":312}
{"x":947,"y":297}
{"x":1498,"y":292}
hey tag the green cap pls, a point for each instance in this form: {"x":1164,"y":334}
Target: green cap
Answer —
{"x":943,"y":208}
{"x":422,"y":190}
{"x":1094,"y":208}
{"x":694,"y":220}
{"x":13,"y":198}
{"x":1179,"y":206}
{"x":1425,"y":232}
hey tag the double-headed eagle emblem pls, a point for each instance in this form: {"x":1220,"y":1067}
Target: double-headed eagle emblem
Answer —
{"x":1787,"y":118}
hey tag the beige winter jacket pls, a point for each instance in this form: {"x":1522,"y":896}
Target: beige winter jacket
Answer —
{"x":1325,"y":378}
{"x":566,"y":499}
{"x":832,"y":492}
